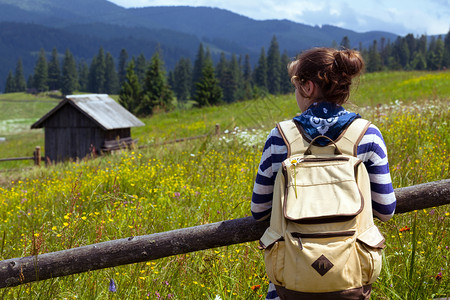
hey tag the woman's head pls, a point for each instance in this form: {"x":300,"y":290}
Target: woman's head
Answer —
{"x":330,"y":70}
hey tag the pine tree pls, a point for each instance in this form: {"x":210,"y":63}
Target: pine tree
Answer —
{"x":411,"y":43}
{"x":19,"y":78}
{"x":273,"y":67}
{"x":30,"y":82}
{"x":247,"y":78}
{"x":41,"y":73}
{"x":403,"y":52}
{"x":418,"y":62}
{"x":122,"y":67}
{"x":131,"y":91}
{"x":111,"y":77}
{"x":285,"y":85}
{"x":247,"y":69}
{"x":438,"y":54}
{"x":385,"y":51}
{"x":198,"y":68}
{"x":226,"y":79}
{"x":157,"y":92}
{"x":83,"y":76}
{"x":208,"y":91}
{"x":435,"y":53}
{"x":10,"y":85}
{"x":345,"y":43}
{"x":260,"y":72}
{"x":54,"y":72}
{"x":374,"y":58}
{"x":236,"y":71}
{"x":97,"y":71}
{"x":221,"y":66}
{"x":182,"y":79}
{"x":446,"y":55}
{"x":69,"y":78}
{"x":422,"y":44}
{"x":141,"y":68}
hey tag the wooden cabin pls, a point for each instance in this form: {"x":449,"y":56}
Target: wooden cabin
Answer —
{"x":83,"y":125}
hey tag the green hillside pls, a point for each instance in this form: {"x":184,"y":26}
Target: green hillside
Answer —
{"x":19,"y":111}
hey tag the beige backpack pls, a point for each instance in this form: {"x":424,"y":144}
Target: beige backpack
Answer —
{"x":322,"y":237}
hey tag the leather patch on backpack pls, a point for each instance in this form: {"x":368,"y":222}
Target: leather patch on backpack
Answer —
{"x":322,"y":265}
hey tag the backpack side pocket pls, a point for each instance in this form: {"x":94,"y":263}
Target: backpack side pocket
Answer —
{"x":274,"y":246}
{"x":369,"y":246}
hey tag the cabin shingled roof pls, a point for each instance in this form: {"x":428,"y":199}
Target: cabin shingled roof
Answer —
{"x":100,"y":108}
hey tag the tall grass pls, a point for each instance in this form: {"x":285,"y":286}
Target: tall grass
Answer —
{"x":180,"y":185}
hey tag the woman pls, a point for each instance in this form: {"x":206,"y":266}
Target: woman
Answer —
{"x":322,"y":78}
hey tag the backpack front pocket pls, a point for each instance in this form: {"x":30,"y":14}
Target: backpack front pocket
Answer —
{"x":321,"y":262}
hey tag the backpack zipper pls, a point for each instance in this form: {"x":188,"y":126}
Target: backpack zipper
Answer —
{"x":299,"y":235}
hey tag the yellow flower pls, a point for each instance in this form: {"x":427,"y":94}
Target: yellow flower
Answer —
{"x":66,"y":224}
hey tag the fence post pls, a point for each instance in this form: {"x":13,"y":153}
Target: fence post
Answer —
{"x":37,"y":156}
{"x":217,"y":129}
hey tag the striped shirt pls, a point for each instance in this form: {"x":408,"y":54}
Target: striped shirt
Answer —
{"x":372,"y":152}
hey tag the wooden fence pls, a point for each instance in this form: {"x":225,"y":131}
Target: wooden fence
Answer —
{"x":16,"y":271}
{"x":37,"y":158}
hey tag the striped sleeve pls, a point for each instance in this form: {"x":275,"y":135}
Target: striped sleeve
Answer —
{"x":275,"y":151}
{"x":372,"y":151}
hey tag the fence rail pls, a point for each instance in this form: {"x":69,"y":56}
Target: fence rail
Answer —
{"x":37,"y":158}
{"x":16,"y":271}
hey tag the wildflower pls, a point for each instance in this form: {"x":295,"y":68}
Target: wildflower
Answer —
{"x":112,"y":286}
{"x":256,"y":287}
{"x":406,"y":228}
{"x":294,"y":163}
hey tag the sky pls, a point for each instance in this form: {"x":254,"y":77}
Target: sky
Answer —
{"x":396,"y":16}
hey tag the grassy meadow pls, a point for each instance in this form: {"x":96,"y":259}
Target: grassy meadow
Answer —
{"x":161,"y":188}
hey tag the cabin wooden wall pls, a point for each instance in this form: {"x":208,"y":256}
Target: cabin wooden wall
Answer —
{"x":70,"y":134}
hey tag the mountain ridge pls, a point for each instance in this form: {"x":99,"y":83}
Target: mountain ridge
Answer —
{"x":85,"y":25}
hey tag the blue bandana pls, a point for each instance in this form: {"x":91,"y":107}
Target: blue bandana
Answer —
{"x":327,"y":119}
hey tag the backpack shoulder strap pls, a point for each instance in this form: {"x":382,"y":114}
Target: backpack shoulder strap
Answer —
{"x":292,"y":137}
{"x":349,"y":139}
